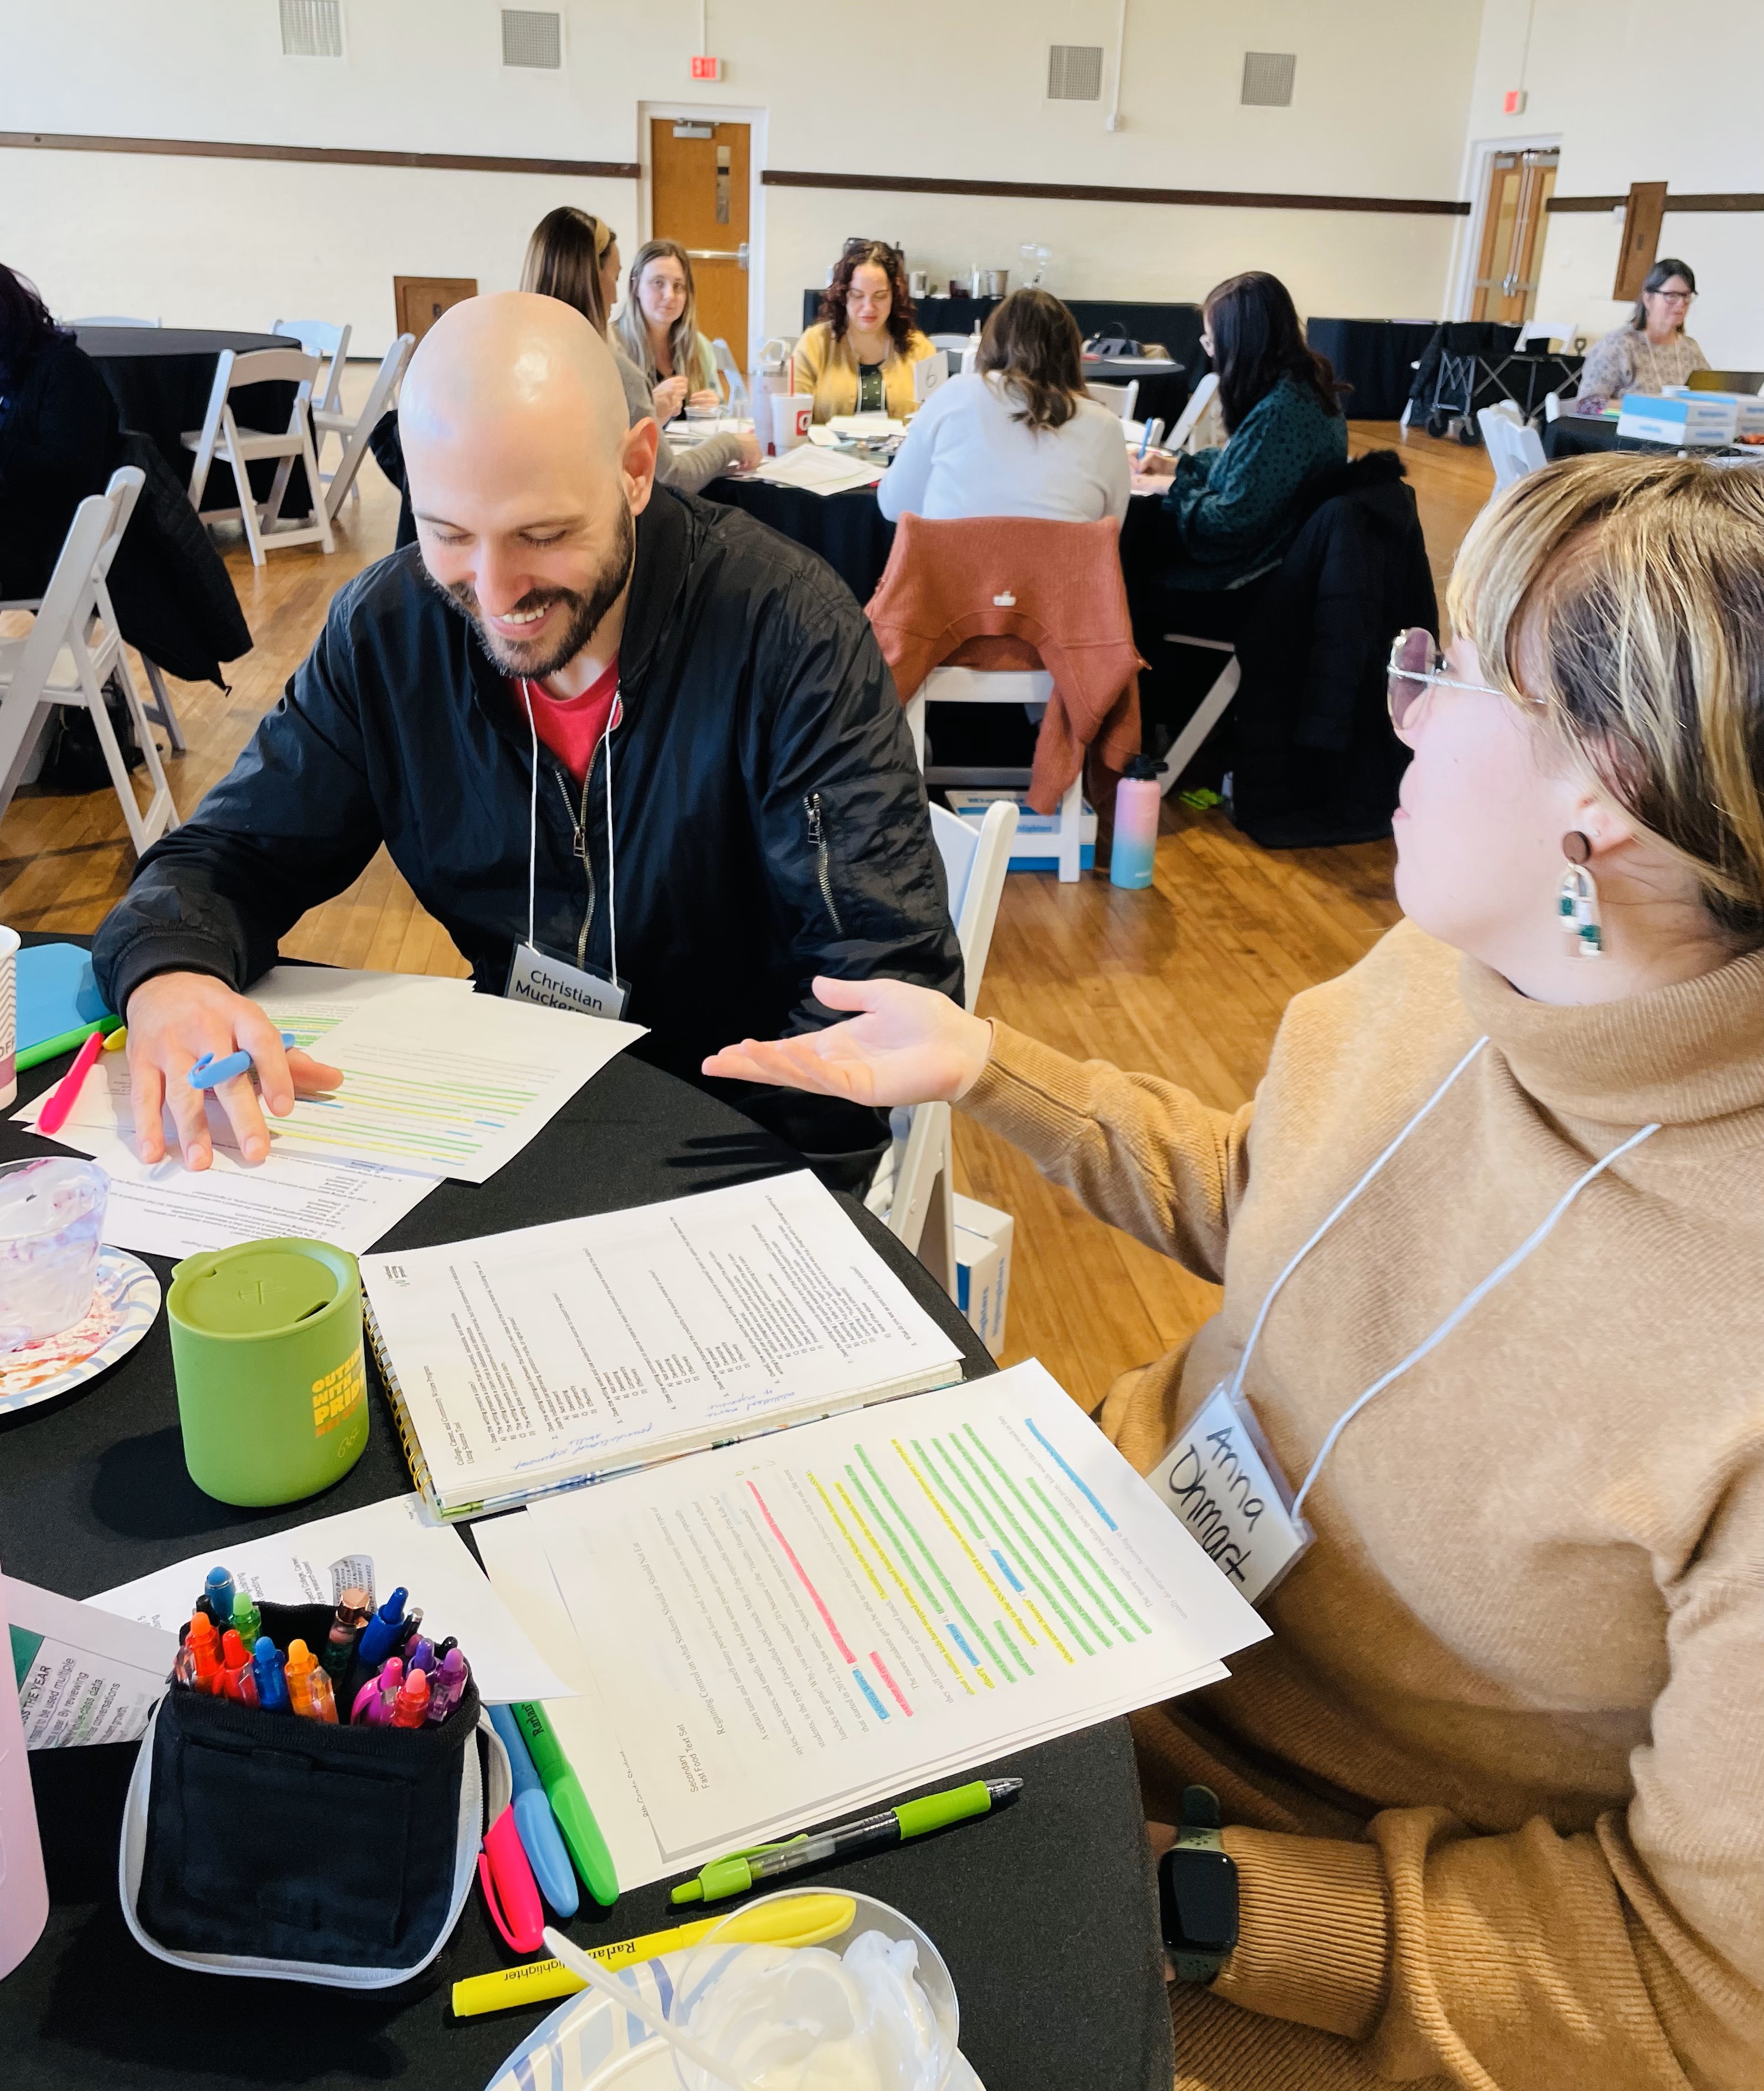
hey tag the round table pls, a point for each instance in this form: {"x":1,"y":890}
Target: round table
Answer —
{"x":848,"y":530}
{"x":1046,"y":1913}
{"x":161,"y":378}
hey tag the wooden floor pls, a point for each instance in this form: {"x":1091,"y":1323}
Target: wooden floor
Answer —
{"x":1186,"y":980}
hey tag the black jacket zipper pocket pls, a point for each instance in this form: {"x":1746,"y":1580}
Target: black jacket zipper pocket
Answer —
{"x":817,"y":838}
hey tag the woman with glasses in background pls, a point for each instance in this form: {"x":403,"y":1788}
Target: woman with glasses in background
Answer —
{"x":858,"y":357}
{"x":1651,"y":349}
{"x":658,"y":330}
{"x":1489,"y":1236}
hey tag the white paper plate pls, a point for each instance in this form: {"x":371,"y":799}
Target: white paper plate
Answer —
{"x":587,"y":2044}
{"x":124,"y":1302}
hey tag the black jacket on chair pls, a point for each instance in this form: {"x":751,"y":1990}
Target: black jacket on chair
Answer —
{"x":59,"y":442}
{"x":1316,"y":760}
{"x":174,"y":597}
{"x":770,"y":817}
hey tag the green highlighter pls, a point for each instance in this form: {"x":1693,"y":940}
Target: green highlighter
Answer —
{"x":742,"y":1870}
{"x":569,"y":1804}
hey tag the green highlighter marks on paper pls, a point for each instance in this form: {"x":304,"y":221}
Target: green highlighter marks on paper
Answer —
{"x":742,"y":1870}
{"x":569,"y":1804}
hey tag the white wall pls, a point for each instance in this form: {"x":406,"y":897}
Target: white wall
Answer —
{"x":953,"y":88}
{"x":1594,"y":80}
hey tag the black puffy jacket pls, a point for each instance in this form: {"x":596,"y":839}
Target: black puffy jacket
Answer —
{"x":770,"y":819}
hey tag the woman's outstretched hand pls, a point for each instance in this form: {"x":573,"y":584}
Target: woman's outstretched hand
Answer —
{"x":907,"y":1045}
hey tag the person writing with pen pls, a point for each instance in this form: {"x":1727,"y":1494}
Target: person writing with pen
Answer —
{"x":615,"y":737}
{"x":1490,"y":1237}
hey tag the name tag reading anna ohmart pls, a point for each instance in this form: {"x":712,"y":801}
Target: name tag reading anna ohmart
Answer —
{"x":1221,"y":1481}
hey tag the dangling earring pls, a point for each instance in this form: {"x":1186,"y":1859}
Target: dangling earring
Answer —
{"x":1577,"y":898}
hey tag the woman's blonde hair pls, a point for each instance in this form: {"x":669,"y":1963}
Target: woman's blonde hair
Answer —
{"x":564,"y":259}
{"x":633,"y":328}
{"x":1626,"y":596}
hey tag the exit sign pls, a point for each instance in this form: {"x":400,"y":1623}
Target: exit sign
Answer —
{"x":707,"y":68}
{"x":1513,"y":102}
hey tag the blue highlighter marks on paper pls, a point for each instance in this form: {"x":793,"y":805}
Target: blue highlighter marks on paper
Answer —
{"x":869,"y":1693}
{"x":1083,"y":1487}
{"x":1006,"y":1569}
{"x":956,"y":1636}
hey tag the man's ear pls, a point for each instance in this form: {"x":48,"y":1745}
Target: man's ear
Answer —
{"x":637,"y":463}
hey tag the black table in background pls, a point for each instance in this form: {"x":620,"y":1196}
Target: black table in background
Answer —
{"x":848,"y":530}
{"x":1374,"y":356}
{"x":1045,"y":1912}
{"x":161,"y":378}
{"x":1176,"y":326}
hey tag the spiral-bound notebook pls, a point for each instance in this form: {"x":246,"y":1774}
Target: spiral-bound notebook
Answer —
{"x":520,"y":1364}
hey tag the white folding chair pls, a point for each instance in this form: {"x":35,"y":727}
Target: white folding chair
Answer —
{"x":357,"y":429}
{"x":1030,"y":687}
{"x":71,"y":651}
{"x":220,"y":438}
{"x":917,"y":1183}
{"x":1541,"y":333}
{"x":319,"y":337}
{"x":1182,"y":427}
{"x":1118,"y":398}
{"x":1514,"y":447}
{"x":741,"y":404}
{"x":111,"y":319}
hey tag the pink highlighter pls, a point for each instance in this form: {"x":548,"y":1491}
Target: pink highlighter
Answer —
{"x":511,"y":1893}
{"x":375,"y":1699}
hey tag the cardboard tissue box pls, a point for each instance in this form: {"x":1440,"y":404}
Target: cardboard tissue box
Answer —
{"x":1035,"y":848}
{"x":983,"y":1237}
{"x":1687,"y":420}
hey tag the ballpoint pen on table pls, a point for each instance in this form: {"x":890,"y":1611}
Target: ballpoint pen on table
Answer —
{"x":739,"y":1872}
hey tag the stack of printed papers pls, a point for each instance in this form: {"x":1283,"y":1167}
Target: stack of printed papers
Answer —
{"x":817,"y":471}
{"x":774,"y":1635}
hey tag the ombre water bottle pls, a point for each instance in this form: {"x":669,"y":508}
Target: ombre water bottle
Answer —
{"x":1137,"y":804}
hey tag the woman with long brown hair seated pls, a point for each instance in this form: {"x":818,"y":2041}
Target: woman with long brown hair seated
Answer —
{"x":574,"y":255}
{"x":1489,"y":1236}
{"x":657,"y":328}
{"x":858,"y":357}
{"x":1020,"y":436}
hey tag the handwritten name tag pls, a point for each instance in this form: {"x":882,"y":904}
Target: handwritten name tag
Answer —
{"x":1221,"y":1481}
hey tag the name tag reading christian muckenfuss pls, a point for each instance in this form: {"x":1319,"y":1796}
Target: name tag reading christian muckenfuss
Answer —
{"x":536,"y":976}
{"x":1224,"y":1487}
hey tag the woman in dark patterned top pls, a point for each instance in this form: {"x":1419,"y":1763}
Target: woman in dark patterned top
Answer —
{"x":1234,"y":512}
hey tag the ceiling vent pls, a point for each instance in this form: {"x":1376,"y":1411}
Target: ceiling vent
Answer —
{"x":1268,"y":79}
{"x":533,"y":39}
{"x":1075,"y":72}
{"x":311,"y":29}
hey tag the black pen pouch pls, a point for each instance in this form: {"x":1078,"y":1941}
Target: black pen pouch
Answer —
{"x":258,"y":1844}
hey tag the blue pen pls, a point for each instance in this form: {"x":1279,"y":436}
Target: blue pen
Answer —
{"x":268,"y":1664}
{"x":540,"y":1836}
{"x":1144,"y":444}
{"x":208,"y":1071}
{"x":380,"y":1636}
{"x":219,"y":1590}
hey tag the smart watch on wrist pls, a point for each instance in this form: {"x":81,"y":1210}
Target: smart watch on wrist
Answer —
{"x":1197,"y":1891}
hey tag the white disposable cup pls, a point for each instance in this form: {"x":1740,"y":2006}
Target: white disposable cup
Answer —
{"x":791,"y":416}
{"x":9,"y":1016}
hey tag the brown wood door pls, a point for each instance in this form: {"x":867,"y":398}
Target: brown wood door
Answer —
{"x":420,"y":300}
{"x":698,"y":175}
{"x":1519,"y":186}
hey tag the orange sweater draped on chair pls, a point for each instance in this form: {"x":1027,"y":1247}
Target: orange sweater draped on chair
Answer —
{"x":1001,"y":592}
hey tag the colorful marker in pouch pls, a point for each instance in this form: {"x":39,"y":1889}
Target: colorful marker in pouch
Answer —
{"x":411,"y":1704}
{"x":266,"y":1662}
{"x":446,"y":1685}
{"x":217,"y":1595}
{"x":373,"y":1702}
{"x":409,"y":1631}
{"x":380,"y":1636}
{"x":420,"y":1654}
{"x":204,"y":1646}
{"x":355,"y":1608}
{"x":239,"y":1679}
{"x":309,"y":1692}
{"x":246,"y":1617}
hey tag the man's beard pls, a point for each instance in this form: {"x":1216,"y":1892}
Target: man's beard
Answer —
{"x":585,"y":613}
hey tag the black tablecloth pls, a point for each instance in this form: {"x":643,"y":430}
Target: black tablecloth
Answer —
{"x":1045,"y":1912}
{"x":1374,"y":356}
{"x":848,"y":530}
{"x":1177,"y":327}
{"x":161,"y":378}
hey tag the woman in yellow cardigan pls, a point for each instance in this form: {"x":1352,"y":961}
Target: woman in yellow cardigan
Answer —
{"x":1490,"y":1237}
{"x":858,"y":357}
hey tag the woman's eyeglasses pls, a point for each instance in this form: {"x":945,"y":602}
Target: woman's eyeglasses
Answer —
{"x":1416,"y":668}
{"x":1675,"y":297}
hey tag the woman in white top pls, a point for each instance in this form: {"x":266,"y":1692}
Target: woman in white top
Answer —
{"x":1018,"y":438}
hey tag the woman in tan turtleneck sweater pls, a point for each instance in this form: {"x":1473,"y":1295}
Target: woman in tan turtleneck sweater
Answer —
{"x":1495,"y":1788}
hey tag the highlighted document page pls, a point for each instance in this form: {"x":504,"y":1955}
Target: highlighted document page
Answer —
{"x":553,"y":1355}
{"x":779,"y":1631}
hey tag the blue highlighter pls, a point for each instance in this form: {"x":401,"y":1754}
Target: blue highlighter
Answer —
{"x":540,"y":1836}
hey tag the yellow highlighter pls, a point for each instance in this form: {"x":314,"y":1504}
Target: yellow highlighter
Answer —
{"x":805,"y":1920}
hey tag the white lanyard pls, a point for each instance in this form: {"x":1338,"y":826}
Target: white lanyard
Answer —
{"x":533,"y":825}
{"x":1472,"y":1299}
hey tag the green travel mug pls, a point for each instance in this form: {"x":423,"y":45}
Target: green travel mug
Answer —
{"x":271,"y":1385}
